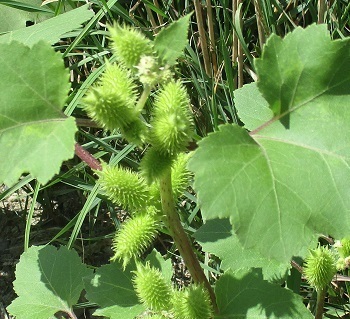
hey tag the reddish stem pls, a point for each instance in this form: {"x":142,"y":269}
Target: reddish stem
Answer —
{"x":85,"y":156}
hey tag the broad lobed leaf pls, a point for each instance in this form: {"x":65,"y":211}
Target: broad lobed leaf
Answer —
{"x":305,"y":67}
{"x":47,"y":281}
{"x":252,"y":108}
{"x":283,"y":186}
{"x":35,"y":135}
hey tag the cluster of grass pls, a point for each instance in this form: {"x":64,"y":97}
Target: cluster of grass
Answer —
{"x":225,"y":37}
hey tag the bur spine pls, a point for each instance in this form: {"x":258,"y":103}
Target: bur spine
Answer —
{"x":180,"y":175}
{"x":111,"y":103}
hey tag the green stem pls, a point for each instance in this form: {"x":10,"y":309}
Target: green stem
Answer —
{"x":320,"y":303}
{"x":143,"y":98}
{"x":182,"y":242}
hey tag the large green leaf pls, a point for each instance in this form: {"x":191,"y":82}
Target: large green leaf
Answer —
{"x":282,"y":187}
{"x":304,"y":68}
{"x":245,"y":295}
{"x":35,"y":136}
{"x":111,"y":288}
{"x":50,"y":30}
{"x":47,"y":281}
{"x":171,"y":41}
{"x":216,"y":237}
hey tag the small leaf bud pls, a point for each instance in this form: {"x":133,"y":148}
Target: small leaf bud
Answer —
{"x":344,"y":247}
{"x":150,"y":73}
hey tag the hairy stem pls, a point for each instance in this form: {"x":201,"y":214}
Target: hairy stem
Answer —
{"x":320,"y":303}
{"x":182,"y":242}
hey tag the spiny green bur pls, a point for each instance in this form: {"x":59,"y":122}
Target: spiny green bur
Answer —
{"x":192,"y":303}
{"x":124,"y":187}
{"x":154,"y":164}
{"x":111,"y":103}
{"x":134,"y":237}
{"x":129,"y":45}
{"x":172,"y":126}
{"x":320,"y":267}
{"x":180,"y":175}
{"x":152,"y":288}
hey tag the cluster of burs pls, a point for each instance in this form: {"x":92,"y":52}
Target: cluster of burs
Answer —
{"x":117,"y":102}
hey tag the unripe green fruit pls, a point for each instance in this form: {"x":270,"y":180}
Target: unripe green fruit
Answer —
{"x":154,"y":164}
{"x":152,"y":288}
{"x":192,"y":303}
{"x":135,"y":131}
{"x":180,"y":175}
{"x":134,"y":237}
{"x":124,"y":187}
{"x":320,"y":267}
{"x":112,"y":103}
{"x":129,"y":45}
{"x":172,"y":123}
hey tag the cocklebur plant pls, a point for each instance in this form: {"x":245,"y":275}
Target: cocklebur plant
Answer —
{"x":149,"y":195}
{"x":259,"y":187}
